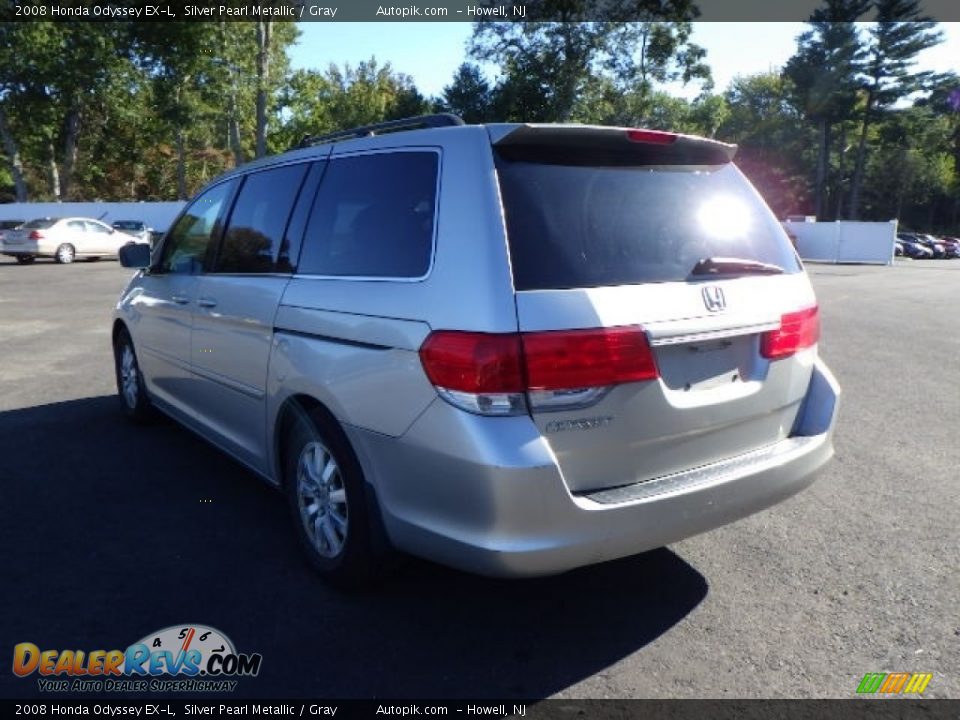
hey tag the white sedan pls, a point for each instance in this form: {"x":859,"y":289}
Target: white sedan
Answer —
{"x":63,"y":239}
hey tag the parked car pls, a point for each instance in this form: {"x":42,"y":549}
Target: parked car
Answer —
{"x":135,"y":228}
{"x":913,"y":247}
{"x":514,"y":349}
{"x":63,"y":239}
{"x":938,"y":250}
{"x":951,"y":246}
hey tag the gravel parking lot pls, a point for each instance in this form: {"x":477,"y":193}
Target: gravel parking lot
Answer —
{"x":111,"y":532}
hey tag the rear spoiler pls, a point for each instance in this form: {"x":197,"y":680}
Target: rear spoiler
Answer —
{"x":584,"y":144}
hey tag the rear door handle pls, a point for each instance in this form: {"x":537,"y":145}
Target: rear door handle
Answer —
{"x":180,"y":299}
{"x":207,"y":302}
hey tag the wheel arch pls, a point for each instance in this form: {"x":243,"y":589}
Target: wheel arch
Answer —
{"x":118,"y":327}
{"x":302,"y":404}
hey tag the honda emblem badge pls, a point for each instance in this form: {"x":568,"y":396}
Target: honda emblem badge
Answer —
{"x":713,"y":298}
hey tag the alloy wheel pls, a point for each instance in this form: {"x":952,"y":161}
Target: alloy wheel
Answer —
{"x":322,"y":499}
{"x":129,"y":383}
{"x":65,"y":254}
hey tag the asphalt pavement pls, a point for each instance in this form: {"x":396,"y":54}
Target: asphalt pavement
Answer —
{"x":112,"y":531}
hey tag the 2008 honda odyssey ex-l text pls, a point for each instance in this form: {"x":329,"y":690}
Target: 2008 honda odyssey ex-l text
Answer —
{"x":515,"y":349}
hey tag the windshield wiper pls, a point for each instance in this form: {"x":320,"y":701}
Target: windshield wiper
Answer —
{"x":734,"y":266}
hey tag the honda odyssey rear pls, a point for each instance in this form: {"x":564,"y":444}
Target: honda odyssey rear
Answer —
{"x":515,"y":349}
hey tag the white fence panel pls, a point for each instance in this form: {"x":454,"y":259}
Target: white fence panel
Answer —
{"x":845,"y":241}
{"x":867,"y":242}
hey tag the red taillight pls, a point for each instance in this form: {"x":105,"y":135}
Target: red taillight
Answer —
{"x":655,"y":137}
{"x":473,"y":362}
{"x":587,"y":358}
{"x":798,"y":330}
{"x":36,"y":235}
{"x":557,"y":360}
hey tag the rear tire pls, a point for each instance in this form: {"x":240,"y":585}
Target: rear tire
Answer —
{"x":25,"y":259}
{"x":65,"y":254}
{"x":130,"y":386}
{"x":325,"y":493}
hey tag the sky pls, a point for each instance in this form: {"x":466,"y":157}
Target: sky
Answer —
{"x":431,"y":52}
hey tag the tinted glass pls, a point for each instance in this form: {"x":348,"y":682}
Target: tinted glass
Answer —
{"x":373,"y":217}
{"x":290,"y":250}
{"x":128,"y":225}
{"x":40,"y":224}
{"x":97,"y":228}
{"x":255,"y":232}
{"x":187,"y":244}
{"x":578,"y":225}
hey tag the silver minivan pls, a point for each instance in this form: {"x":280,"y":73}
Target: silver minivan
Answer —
{"x":513,"y":348}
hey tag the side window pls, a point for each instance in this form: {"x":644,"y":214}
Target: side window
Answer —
{"x":77,"y":225}
{"x":96,"y":228}
{"x":186,"y":245}
{"x":373,"y":217}
{"x":255,"y":232}
{"x":290,"y":249}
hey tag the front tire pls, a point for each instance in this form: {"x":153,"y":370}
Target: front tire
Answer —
{"x":130,"y":386}
{"x":65,"y":254}
{"x":325,"y":492}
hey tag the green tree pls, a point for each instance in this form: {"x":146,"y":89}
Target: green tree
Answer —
{"x":911,"y":176}
{"x":264,"y":34}
{"x":177,"y":56}
{"x":305,"y":105}
{"x":549,"y":63}
{"x":468,"y":95}
{"x":899,"y":35}
{"x":824,"y":75}
{"x":315,"y":103}
{"x":52,"y":77}
{"x":15,"y":67}
{"x":774,"y":140}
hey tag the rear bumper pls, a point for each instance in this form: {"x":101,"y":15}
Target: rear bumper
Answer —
{"x":495,"y":502}
{"x":20,"y":249}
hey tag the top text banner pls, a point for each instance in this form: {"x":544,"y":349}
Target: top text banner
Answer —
{"x":427,"y":10}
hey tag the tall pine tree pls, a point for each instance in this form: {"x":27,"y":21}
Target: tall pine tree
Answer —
{"x":900,"y":34}
{"x":824,"y":71}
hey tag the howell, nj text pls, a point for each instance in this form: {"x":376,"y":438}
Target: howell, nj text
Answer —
{"x":501,"y":11}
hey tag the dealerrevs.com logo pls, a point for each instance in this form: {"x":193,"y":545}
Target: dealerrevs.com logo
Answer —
{"x":188,"y":658}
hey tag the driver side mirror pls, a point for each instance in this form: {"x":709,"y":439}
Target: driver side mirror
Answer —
{"x":135,"y":255}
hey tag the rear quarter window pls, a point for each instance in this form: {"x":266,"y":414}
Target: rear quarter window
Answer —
{"x":373,"y":216}
{"x":582,"y":225}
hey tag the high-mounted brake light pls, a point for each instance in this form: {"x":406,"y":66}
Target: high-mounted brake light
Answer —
{"x":798,"y":331}
{"x":490,"y":373}
{"x":653,"y":137}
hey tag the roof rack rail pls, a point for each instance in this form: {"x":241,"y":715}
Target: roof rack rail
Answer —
{"x":410,"y":123}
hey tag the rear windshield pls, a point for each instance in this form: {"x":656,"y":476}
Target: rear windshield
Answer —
{"x":577,"y":225}
{"x":41,"y":224}
{"x":128,"y":225}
